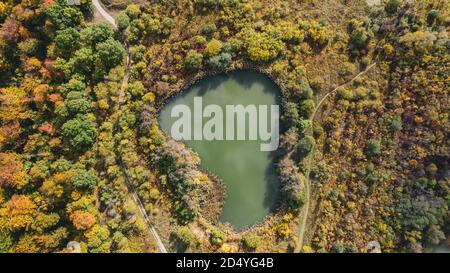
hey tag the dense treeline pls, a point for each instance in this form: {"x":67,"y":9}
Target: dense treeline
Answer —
{"x":53,"y":103}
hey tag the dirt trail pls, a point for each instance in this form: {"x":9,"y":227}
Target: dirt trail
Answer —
{"x":304,"y":219}
{"x":104,"y":13}
{"x":121,"y":100}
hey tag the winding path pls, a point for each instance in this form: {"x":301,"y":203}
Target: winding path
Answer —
{"x":140,"y":206}
{"x":123,"y":167}
{"x":104,"y":13}
{"x":311,"y":156}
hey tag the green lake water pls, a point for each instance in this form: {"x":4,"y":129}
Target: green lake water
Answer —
{"x":248,"y":173}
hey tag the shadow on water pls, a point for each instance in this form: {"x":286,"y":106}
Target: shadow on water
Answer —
{"x":248,"y":78}
{"x":273,"y":185}
{"x":210,"y":83}
{"x":245,"y":78}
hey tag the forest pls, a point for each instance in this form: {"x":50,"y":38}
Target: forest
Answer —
{"x":364,"y":145}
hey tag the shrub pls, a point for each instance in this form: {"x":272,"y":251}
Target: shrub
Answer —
{"x":432,"y":169}
{"x":185,"y":235}
{"x":80,"y":133}
{"x":283,"y":230}
{"x":359,"y":35}
{"x":133,"y":11}
{"x":213,"y":47}
{"x":307,"y":107}
{"x":220,"y":62}
{"x":85,"y":180}
{"x":77,"y":103}
{"x":318,"y":33}
{"x":167,"y":24}
{"x":305,"y":145}
{"x":123,"y":21}
{"x":373,"y":147}
{"x":208,"y":29}
{"x":261,"y":47}
{"x":194,"y":60}
{"x":291,"y":115}
{"x":338,"y":248}
{"x":345,"y":94}
{"x":136,"y":89}
{"x":218,"y":237}
{"x":392,"y":6}
{"x":396,"y":125}
{"x":251,"y":240}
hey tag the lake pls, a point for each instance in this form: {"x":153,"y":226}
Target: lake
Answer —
{"x":248,"y":173}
